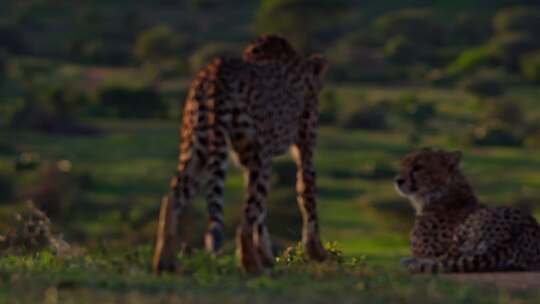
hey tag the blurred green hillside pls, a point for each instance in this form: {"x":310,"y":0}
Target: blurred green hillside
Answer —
{"x":90,"y":104}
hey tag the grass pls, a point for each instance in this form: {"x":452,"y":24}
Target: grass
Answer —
{"x":128,"y":168}
{"x":206,"y":279}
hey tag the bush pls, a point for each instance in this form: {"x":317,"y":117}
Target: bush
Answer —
{"x":377,"y":170}
{"x":517,"y":19}
{"x":355,"y":57}
{"x":372,"y":117}
{"x":328,"y":107}
{"x":301,"y":21}
{"x":31,"y":234}
{"x":208,"y":52}
{"x":418,"y":26}
{"x":159,"y":44}
{"x":405,"y":51}
{"x":7,"y":188}
{"x":96,"y":51}
{"x":57,"y":189}
{"x":509,"y":48}
{"x":496,"y":135}
{"x":130,"y":102}
{"x":471,"y":59}
{"x":27,"y":161}
{"x":36,"y":118}
{"x":64,"y":99}
{"x":417,"y":112}
{"x":506,"y":112}
{"x":487,"y":83}
{"x":530,"y":66}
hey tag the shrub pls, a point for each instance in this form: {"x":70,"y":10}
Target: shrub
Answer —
{"x":506,"y":112}
{"x":517,"y":19}
{"x":7,"y":188}
{"x":418,"y":112}
{"x":62,"y":98}
{"x":509,"y":48}
{"x":36,"y":118}
{"x":328,"y":106}
{"x":471,"y":59}
{"x":378,"y":170}
{"x":98,"y":52}
{"x":403,"y":50}
{"x":208,"y":52}
{"x":530,"y":66}
{"x":159,"y":44}
{"x":419,"y":26}
{"x":300,"y":20}
{"x":372,"y":117}
{"x":486,"y":83}
{"x":134,"y":102}
{"x":56,"y":189}
{"x":32,"y":233}
{"x":496,"y":135}
{"x":27,"y":161}
{"x":356,"y":57}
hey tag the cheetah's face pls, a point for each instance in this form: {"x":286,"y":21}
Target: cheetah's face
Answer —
{"x":425,"y":176}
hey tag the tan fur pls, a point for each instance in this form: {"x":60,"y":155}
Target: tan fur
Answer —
{"x":262,"y":105}
{"x":455,"y":233}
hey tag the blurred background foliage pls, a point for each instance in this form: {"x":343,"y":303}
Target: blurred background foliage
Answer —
{"x":91,"y":92}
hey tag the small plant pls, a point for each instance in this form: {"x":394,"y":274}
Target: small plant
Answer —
{"x":530,"y":66}
{"x":486,"y":83}
{"x":472,"y":59}
{"x":27,"y":161}
{"x":419,"y":113}
{"x":7,"y":187}
{"x":508,"y":48}
{"x":328,"y":107}
{"x":496,"y":135}
{"x":371,"y":117}
{"x":521,"y":19}
{"x":413,"y":24}
{"x":118,"y":100}
{"x":32,"y":233}
{"x":158,"y":44}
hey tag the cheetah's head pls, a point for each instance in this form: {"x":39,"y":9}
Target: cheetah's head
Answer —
{"x":426,"y":176}
{"x":269,"y":48}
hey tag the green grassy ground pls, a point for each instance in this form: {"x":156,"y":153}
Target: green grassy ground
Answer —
{"x":129,"y":167}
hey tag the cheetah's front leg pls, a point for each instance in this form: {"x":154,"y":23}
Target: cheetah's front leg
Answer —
{"x":306,"y":189}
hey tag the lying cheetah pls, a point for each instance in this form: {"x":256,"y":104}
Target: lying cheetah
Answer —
{"x":453,"y":232}
{"x":262,"y":105}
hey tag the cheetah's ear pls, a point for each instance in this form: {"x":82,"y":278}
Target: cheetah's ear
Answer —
{"x":454,"y":158}
{"x":319,"y":65}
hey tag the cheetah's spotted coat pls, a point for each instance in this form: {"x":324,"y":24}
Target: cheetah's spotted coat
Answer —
{"x":262,"y":105}
{"x":455,"y":233}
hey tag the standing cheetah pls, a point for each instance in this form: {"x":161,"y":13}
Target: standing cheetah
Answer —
{"x":262,"y":105}
{"x":453,"y":232}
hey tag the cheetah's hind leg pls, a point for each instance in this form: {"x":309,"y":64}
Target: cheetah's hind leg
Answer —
{"x":252,"y":236}
{"x":167,"y":238}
